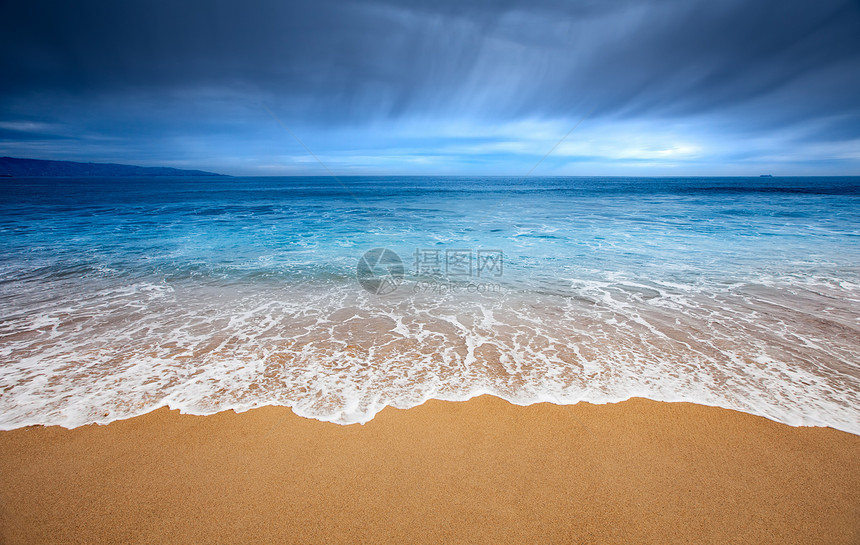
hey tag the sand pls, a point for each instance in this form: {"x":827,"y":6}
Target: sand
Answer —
{"x":481,"y":471}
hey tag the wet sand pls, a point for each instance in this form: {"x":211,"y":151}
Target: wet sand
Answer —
{"x":481,"y":471}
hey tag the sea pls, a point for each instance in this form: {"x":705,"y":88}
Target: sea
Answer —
{"x":338,"y":297}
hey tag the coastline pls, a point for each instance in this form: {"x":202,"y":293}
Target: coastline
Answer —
{"x":482,"y":471}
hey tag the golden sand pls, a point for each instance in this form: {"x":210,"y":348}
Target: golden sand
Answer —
{"x":481,"y":471}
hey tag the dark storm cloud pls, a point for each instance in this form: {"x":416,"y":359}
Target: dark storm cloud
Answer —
{"x":101,"y":67}
{"x":365,"y":58}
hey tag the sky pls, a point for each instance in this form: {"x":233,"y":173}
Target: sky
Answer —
{"x":436,"y":87}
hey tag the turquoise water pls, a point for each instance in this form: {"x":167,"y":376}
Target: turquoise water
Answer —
{"x":121,"y":295}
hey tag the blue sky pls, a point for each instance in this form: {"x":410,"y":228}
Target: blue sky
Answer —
{"x":661,"y":87}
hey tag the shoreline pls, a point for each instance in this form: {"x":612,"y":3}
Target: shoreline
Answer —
{"x":797,"y":421}
{"x":482,"y":470}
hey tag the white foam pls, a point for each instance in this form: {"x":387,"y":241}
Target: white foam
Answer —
{"x":333,"y":353}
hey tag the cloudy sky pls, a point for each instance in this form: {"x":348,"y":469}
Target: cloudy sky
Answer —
{"x":509,"y":87}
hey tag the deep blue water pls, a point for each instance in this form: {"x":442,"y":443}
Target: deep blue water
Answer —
{"x":234,"y":228}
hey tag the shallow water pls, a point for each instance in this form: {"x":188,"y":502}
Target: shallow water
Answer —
{"x":118,"y":296}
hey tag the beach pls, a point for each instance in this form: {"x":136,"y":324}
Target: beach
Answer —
{"x":478,"y":471}
{"x":451,"y":272}
{"x":232,"y":360}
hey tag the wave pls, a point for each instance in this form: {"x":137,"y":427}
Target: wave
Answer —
{"x":783,"y":351}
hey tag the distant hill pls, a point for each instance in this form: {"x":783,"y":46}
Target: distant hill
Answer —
{"x":10,"y":166}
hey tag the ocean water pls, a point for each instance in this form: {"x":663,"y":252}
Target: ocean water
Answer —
{"x":118,"y":296}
